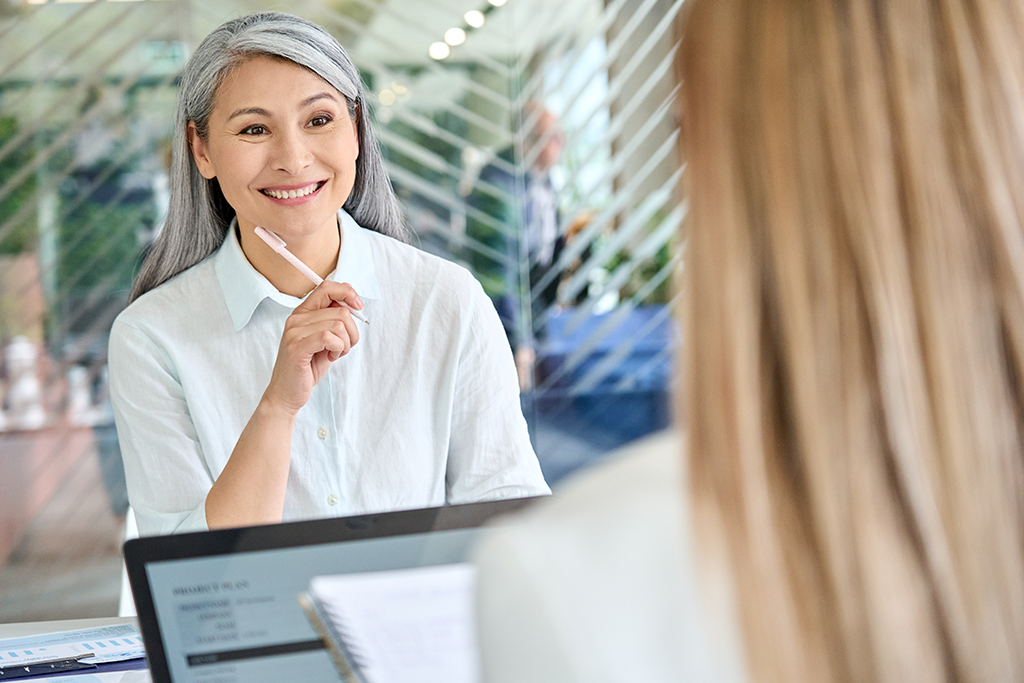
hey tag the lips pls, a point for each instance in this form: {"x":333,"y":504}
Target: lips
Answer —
{"x":293,"y":194}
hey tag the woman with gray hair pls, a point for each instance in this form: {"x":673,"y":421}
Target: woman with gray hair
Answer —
{"x":230,"y":406}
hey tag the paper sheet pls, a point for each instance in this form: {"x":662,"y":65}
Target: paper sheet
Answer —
{"x":107,"y":643}
{"x":110,"y":677}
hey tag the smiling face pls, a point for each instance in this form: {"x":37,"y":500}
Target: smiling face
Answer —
{"x":283,"y":148}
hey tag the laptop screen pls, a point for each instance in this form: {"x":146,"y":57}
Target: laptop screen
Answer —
{"x":223,"y":605}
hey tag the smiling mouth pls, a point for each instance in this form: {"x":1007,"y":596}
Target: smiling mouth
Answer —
{"x":294,"y":194}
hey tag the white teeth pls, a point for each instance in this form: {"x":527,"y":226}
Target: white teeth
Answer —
{"x":292,"y":194}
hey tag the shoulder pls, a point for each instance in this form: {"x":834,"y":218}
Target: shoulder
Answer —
{"x":399,"y":262}
{"x":642,"y":481}
{"x":648,"y":467}
{"x":599,"y":581}
{"x":398,"y":252}
{"x":174,"y":302}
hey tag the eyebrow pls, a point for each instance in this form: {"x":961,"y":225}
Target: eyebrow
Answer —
{"x":319,"y":96}
{"x":305,"y":103}
{"x":249,"y":110}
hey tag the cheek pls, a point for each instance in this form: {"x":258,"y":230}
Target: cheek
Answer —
{"x":349,"y":153}
{"x":343,"y":154}
{"x":237,"y":167}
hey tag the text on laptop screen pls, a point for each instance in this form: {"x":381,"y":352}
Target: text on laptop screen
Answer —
{"x":236,"y":617}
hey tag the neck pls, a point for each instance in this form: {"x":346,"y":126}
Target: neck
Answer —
{"x":319,"y":251}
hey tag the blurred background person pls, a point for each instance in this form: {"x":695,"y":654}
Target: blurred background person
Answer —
{"x":843,"y":502}
{"x":530,"y":202}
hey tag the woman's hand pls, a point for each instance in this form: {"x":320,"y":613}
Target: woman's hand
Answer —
{"x":318,"y":332}
{"x":251,"y":488}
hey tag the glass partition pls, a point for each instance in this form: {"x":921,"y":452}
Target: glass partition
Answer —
{"x":531,"y":141}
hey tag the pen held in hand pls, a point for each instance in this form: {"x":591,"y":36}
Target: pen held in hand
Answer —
{"x":278,"y":245}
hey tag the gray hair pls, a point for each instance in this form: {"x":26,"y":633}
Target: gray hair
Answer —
{"x":198,"y":216}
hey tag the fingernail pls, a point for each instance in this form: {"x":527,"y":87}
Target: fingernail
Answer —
{"x":360,"y":301}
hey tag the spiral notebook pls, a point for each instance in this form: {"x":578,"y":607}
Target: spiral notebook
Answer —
{"x":400,"y":626}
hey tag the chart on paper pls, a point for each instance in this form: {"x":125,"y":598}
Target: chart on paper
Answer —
{"x":105,"y":644}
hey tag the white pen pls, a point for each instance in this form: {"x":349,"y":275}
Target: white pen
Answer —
{"x":278,"y":245}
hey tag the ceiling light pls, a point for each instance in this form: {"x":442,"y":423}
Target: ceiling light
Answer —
{"x":439,"y":50}
{"x":497,"y":3}
{"x":455,"y":36}
{"x":475,"y":18}
{"x":386,"y":97}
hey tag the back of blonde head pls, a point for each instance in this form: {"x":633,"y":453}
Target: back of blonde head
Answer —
{"x":855,"y":319}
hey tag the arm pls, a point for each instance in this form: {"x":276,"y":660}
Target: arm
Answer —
{"x":251,"y":488}
{"x":170,"y":485}
{"x":490,"y":455}
{"x":164,"y":468}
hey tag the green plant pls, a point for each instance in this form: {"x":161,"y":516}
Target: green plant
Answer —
{"x":17,"y":233}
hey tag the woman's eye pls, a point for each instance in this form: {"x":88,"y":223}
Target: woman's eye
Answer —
{"x":321,"y":120}
{"x":254,"y":130}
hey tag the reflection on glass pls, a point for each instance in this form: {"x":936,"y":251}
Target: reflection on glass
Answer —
{"x":84,"y":145}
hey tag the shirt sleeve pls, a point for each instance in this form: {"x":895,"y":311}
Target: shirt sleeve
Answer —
{"x":490,"y":455}
{"x":163,"y":462}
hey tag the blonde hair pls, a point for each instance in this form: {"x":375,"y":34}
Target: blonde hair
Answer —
{"x":855,"y":330}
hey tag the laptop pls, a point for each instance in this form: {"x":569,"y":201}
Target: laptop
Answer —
{"x":222,"y":606}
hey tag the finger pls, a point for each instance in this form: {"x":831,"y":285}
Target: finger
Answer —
{"x":317,"y":331}
{"x":322,"y":343}
{"x":328,"y":292}
{"x":345,"y":293}
{"x":334,"y":346}
{"x":337,"y":313}
{"x":337,"y":337}
{"x":350,"y":328}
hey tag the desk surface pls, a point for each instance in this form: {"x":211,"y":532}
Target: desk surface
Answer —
{"x":32,"y":628}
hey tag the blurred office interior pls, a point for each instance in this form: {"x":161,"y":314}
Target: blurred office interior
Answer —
{"x":474,"y":100}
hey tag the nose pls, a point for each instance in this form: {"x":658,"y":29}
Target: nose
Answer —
{"x":292,"y":153}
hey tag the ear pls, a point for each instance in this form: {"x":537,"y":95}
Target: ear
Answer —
{"x":199,"y":152}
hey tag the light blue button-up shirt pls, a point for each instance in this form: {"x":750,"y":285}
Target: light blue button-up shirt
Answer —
{"x":424,"y":410}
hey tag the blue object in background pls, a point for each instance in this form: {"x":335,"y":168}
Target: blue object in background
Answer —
{"x":602,"y":381}
{"x":628,"y":348}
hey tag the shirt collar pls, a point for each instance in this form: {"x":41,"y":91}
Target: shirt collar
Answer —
{"x":355,"y":261}
{"x":245,"y":288}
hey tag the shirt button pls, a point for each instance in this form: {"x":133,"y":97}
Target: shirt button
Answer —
{"x":332,"y":499}
{"x":322,"y":433}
